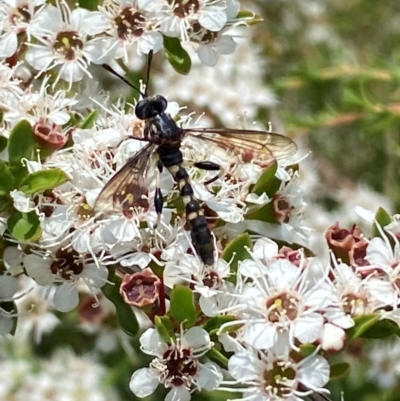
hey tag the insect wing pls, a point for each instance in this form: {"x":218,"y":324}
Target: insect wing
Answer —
{"x":250,"y":145}
{"x":127,"y":189}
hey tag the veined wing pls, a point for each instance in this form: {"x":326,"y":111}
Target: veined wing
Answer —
{"x":259,"y":146}
{"x":127,"y":188}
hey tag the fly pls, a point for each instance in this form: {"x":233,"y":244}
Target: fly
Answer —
{"x":164,"y":137}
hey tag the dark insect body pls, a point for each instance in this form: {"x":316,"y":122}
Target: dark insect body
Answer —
{"x":127,"y":189}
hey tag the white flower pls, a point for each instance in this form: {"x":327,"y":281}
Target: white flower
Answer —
{"x":276,"y":376}
{"x":176,"y":366}
{"x":65,"y":267}
{"x":126,"y":27}
{"x":176,"y":18}
{"x":64,"y":44}
{"x":40,"y":107}
{"x":16,"y":16}
{"x":22,"y":202}
{"x":281,"y":302}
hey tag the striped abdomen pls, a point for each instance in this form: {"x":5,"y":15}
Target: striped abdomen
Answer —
{"x":200,"y":232}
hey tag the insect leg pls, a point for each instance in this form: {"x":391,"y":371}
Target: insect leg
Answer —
{"x":158,"y":198}
{"x":210,"y":166}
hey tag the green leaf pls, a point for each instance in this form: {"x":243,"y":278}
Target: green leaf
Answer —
{"x":24,"y":226}
{"x":266,"y":180}
{"x":236,"y":251}
{"x":182,"y":305}
{"x":89,"y":4}
{"x":362,"y":324}
{"x":249,"y":17}
{"x":381,"y":329}
{"x":217,"y":357}
{"x":21,"y":144}
{"x":90,"y":119}
{"x":165,"y":328}
{"x":41,"y":180}
{"x":177,"y":55}
{"x":214,"y":324}
{"x":7,"y":179}
{"x":383,"y":218}
{"x":265,"y":213}
{"x":125,"y":315}
{"x":3,"y":143}
{"x":5,"y":201}
{"x":339,"y":370}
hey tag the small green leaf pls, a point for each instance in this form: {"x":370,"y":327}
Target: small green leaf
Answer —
{"x":3,"y":143}
{"x":89,"y":4}
{"x":217,"y":357}
{"x":266,"y":180}
{"x":41,"y":180}
{"x":236,"y":251}
{"x":249,"y":17}
{"x":339,"y":370}
{"x":90,"y":119}
{"x":125,"y":315}
{"x":182,"y":305}
{"x":307,"y":349}
{"x":265,"y":213}
{"x":383,"y":218}
{"x":165,"y":328}
{"x":7,"y":179}
{"x":24,"y":226}
{"x":362,"y":324}
{"x":381,"y":329}
{"x":214,"y":324}
{"x":21,"y":144}
{"x":5,"y":200}
{"x":177,"y":55}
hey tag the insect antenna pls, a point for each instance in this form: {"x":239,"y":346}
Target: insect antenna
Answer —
{"x":148,"y":70}
{"x":109,"y":69}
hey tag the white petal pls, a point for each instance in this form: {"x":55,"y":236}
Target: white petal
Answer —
{"x":241,"y":366}
{"x":39,"y":269}
{"x":6,"y":324}
{"x":226,"y":44}
{"x":8,"y":45}
{"x":60,"y":118}
{"x":66,"y":297}
{"x":265,"y":249}
{"x":365,"y":214}
{"x":333,"y":338}
{"x":178,"y":394}
{"x":260,"y":335}
{"x":308,"y":328}
{"x":150,"y":41}
{"x":213,"y":18}
{"x":209,"y":376}
{"x":95,"y":276}
{"x":143,"y":382}
{"x":8,"y":287}
{"x":195,"y":338}
{"x":39,"y":57}
{"x":314,"y":372}
{"x":207,"y":55}
{"x":152,"y":343}
{"x":70,"y":72}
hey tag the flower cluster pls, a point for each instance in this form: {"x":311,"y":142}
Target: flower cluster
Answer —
{"x":263,"y":314}
{"x":55,"y":37}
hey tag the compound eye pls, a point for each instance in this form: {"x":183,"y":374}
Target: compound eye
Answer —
{"x":143,"y":109}
{"x":160,"y":103}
